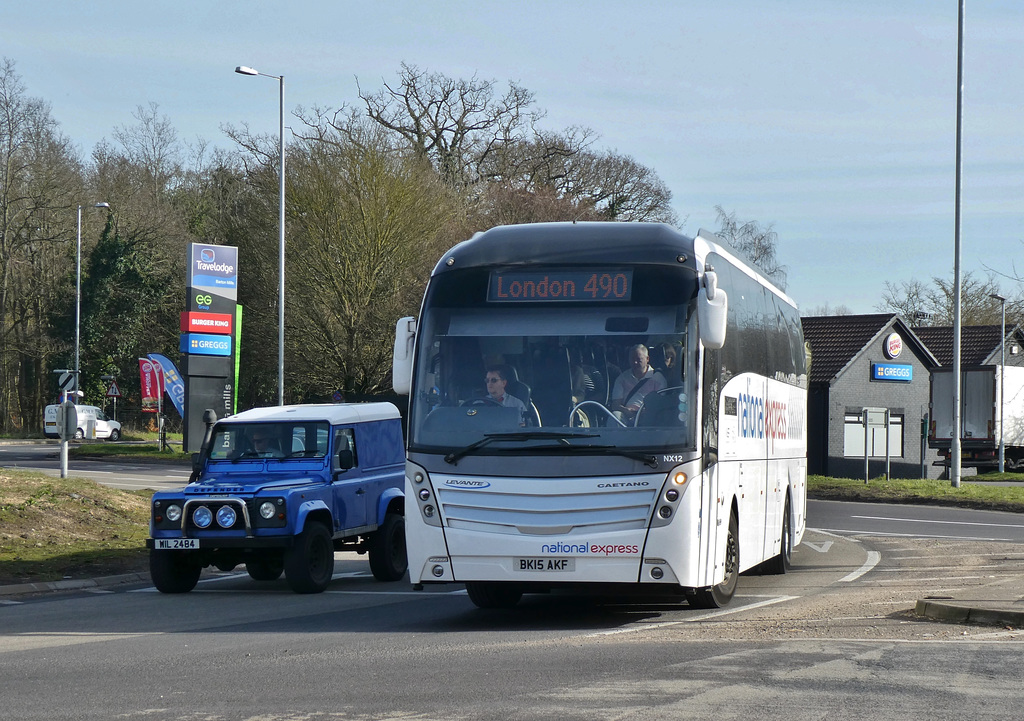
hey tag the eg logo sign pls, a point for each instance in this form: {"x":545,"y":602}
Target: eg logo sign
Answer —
{"x":203,"y":301}
{"x":207,"y":255}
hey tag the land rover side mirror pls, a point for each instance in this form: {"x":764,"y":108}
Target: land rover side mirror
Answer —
{"x":401,"y":363}
{"x":712,"y":311}
{"x":343,"y":460}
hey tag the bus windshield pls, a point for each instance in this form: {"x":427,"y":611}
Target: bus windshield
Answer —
{"x":554,"y":379}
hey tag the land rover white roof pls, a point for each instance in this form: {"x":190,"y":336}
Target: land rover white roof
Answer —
{"x":333,"y":413}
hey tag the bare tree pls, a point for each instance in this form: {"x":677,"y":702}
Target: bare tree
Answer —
{"x":910,"y":299}
{"x":39,"y":179}
{"x":456,"y":124}
{"x":827,"y":309}
{"x":476,"y":141}
{"x":933,"y":305}
{"x":758,"y":243}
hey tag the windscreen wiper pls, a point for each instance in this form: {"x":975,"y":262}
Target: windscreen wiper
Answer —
{"x":453,"y":458}
{"x":648,"y":459}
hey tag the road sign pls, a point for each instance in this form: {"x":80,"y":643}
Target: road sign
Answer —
{"x":66,"y":380}
{"x":67,"y":420}
{"x":113,"y":391}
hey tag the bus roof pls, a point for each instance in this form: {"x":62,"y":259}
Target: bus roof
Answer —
{"x":555,"y":243}
{"x":604,"y":243}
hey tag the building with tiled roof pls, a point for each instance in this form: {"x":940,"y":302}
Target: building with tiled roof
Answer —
{"x":979,"y":344}
{"x":866,"y":361}
{"x":854,"y":366}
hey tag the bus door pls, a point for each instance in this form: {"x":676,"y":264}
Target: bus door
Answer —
{"x":715,"y":528}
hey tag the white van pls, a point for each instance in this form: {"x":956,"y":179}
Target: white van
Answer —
{"x":105,"y":428}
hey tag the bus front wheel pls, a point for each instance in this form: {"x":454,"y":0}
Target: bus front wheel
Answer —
{"x":719,"y":595}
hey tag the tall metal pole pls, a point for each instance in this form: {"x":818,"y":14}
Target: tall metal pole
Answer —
{"x":954,"y":465}
{"x":1002,"y":386}
{"x":280,"y":264}
{"x":1002,"y":375}
{"x":243,"y":70}
{"x":78,"y":299}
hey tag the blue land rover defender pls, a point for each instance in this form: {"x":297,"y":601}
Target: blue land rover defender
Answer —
{"x":280,"y":490}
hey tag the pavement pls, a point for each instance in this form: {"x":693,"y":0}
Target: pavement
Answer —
{"x":1005,"y":608}
{"x":72,"y":584}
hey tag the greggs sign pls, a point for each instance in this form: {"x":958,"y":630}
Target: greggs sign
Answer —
{"x":195,"y":322}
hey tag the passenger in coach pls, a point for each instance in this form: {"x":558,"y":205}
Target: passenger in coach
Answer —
{"x":633,"y":384}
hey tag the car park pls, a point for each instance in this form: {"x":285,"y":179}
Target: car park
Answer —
{"x":280,"y":490}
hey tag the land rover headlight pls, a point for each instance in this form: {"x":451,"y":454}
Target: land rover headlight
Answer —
{"x":173,"y":513}
{"x":267,"y":510}
{"x":226,"y":516}
{"x":202,"y":517}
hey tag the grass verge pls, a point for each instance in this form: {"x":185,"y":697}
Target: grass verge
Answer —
{"x":140,"y":451}
{"x":970,"y":494}
{"x":57,"y":528}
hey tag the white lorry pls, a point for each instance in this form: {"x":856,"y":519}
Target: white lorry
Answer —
{"x":979,"y":416}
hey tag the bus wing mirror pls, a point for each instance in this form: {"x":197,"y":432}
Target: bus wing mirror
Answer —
{"x":712,"y":311}
{"x":401,"y":363}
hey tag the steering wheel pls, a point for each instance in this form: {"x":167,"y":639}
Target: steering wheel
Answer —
{"x":481,"y":401}
{"x":574,"y":414}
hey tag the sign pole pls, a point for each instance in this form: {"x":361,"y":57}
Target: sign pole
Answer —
{"x":63,"y":458}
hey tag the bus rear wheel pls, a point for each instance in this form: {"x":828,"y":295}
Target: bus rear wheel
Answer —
{"x":719,"y":595}
{"x":493,"y":595}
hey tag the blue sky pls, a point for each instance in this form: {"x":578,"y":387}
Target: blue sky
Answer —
{"x":834,"y":121}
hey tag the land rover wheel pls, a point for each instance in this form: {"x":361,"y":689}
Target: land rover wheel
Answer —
{"x":388,"y":559}
{"x":309,"y":562}
{"x":173,"y":571}
{"x":493,"y":595}
{"x":265,"y":567}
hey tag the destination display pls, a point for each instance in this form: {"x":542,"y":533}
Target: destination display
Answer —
{"x":603,"y":284}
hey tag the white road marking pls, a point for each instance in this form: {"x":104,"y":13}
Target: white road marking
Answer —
{"x":873,"y":558}
{"x":944,"y":523}
{"x":823,"y":532}
{"x":819,"y":547}
{"x":693,"y":619}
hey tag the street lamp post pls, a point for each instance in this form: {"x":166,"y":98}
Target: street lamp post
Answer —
{"x":243,"y":70}
{"x":1002,"y":374}
{"x":78,"y":296}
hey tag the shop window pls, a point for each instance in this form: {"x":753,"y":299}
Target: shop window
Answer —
{"x":853,"y":438}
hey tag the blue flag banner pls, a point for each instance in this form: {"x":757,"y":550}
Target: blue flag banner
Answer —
{"x":173,"y":384}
